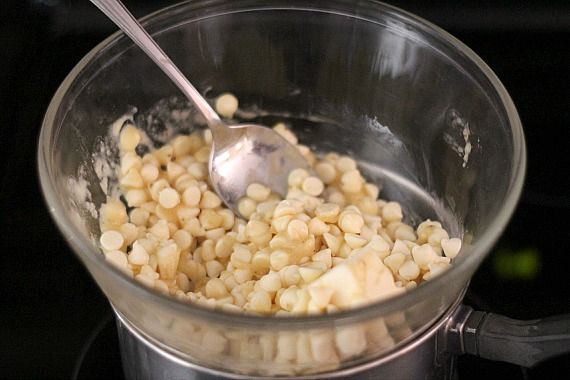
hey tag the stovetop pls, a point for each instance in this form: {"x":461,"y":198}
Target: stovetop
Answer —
{"x":55,"y":322}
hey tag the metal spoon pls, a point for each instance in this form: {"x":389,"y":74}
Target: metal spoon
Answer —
{"x":241,"y":154}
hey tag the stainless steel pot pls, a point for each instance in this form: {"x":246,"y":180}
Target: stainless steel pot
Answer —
{"x":431,"y":356}
{"x":423,"y":114}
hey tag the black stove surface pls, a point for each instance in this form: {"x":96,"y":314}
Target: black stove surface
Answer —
{"x":56,"y":324}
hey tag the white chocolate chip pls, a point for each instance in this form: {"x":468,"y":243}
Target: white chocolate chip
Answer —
{"x":168,"y":198}
{"x":226,"y":105}
{"x":451,"y":247}
{"x":111,"y":240}
{"x":313,"y":186}
{"x":258,"y":192}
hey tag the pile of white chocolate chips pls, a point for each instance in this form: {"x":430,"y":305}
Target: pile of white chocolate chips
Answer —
{"x":331,"y":244}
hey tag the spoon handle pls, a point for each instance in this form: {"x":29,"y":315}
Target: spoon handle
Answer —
{"x":121,"y":16}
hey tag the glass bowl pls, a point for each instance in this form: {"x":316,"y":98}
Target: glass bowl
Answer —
{"x":426,"y":118}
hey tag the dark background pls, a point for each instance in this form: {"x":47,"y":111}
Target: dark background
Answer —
{"x":54,"y":321}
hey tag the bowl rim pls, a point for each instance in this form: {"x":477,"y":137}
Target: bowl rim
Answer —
{"x":90,"y":254}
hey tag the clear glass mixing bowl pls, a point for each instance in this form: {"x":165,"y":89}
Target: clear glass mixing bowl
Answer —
{"x":399,"y":94}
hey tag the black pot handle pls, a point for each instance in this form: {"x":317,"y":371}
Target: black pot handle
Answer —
{"x":496,"y":337}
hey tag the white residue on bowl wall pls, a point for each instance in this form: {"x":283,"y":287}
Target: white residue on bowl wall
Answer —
{"x":462,"y":148}
{"x":103,"y":167}
{"x":81,"y":196}
{"x":102,"y":159}
{"x":385,"y":134}
{"x":468,"y":147}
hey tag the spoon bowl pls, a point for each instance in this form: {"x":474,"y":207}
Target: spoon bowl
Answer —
{"x":250,"y":153}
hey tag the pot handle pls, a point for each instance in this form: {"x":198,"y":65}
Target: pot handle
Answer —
{"x":496,"y":337}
